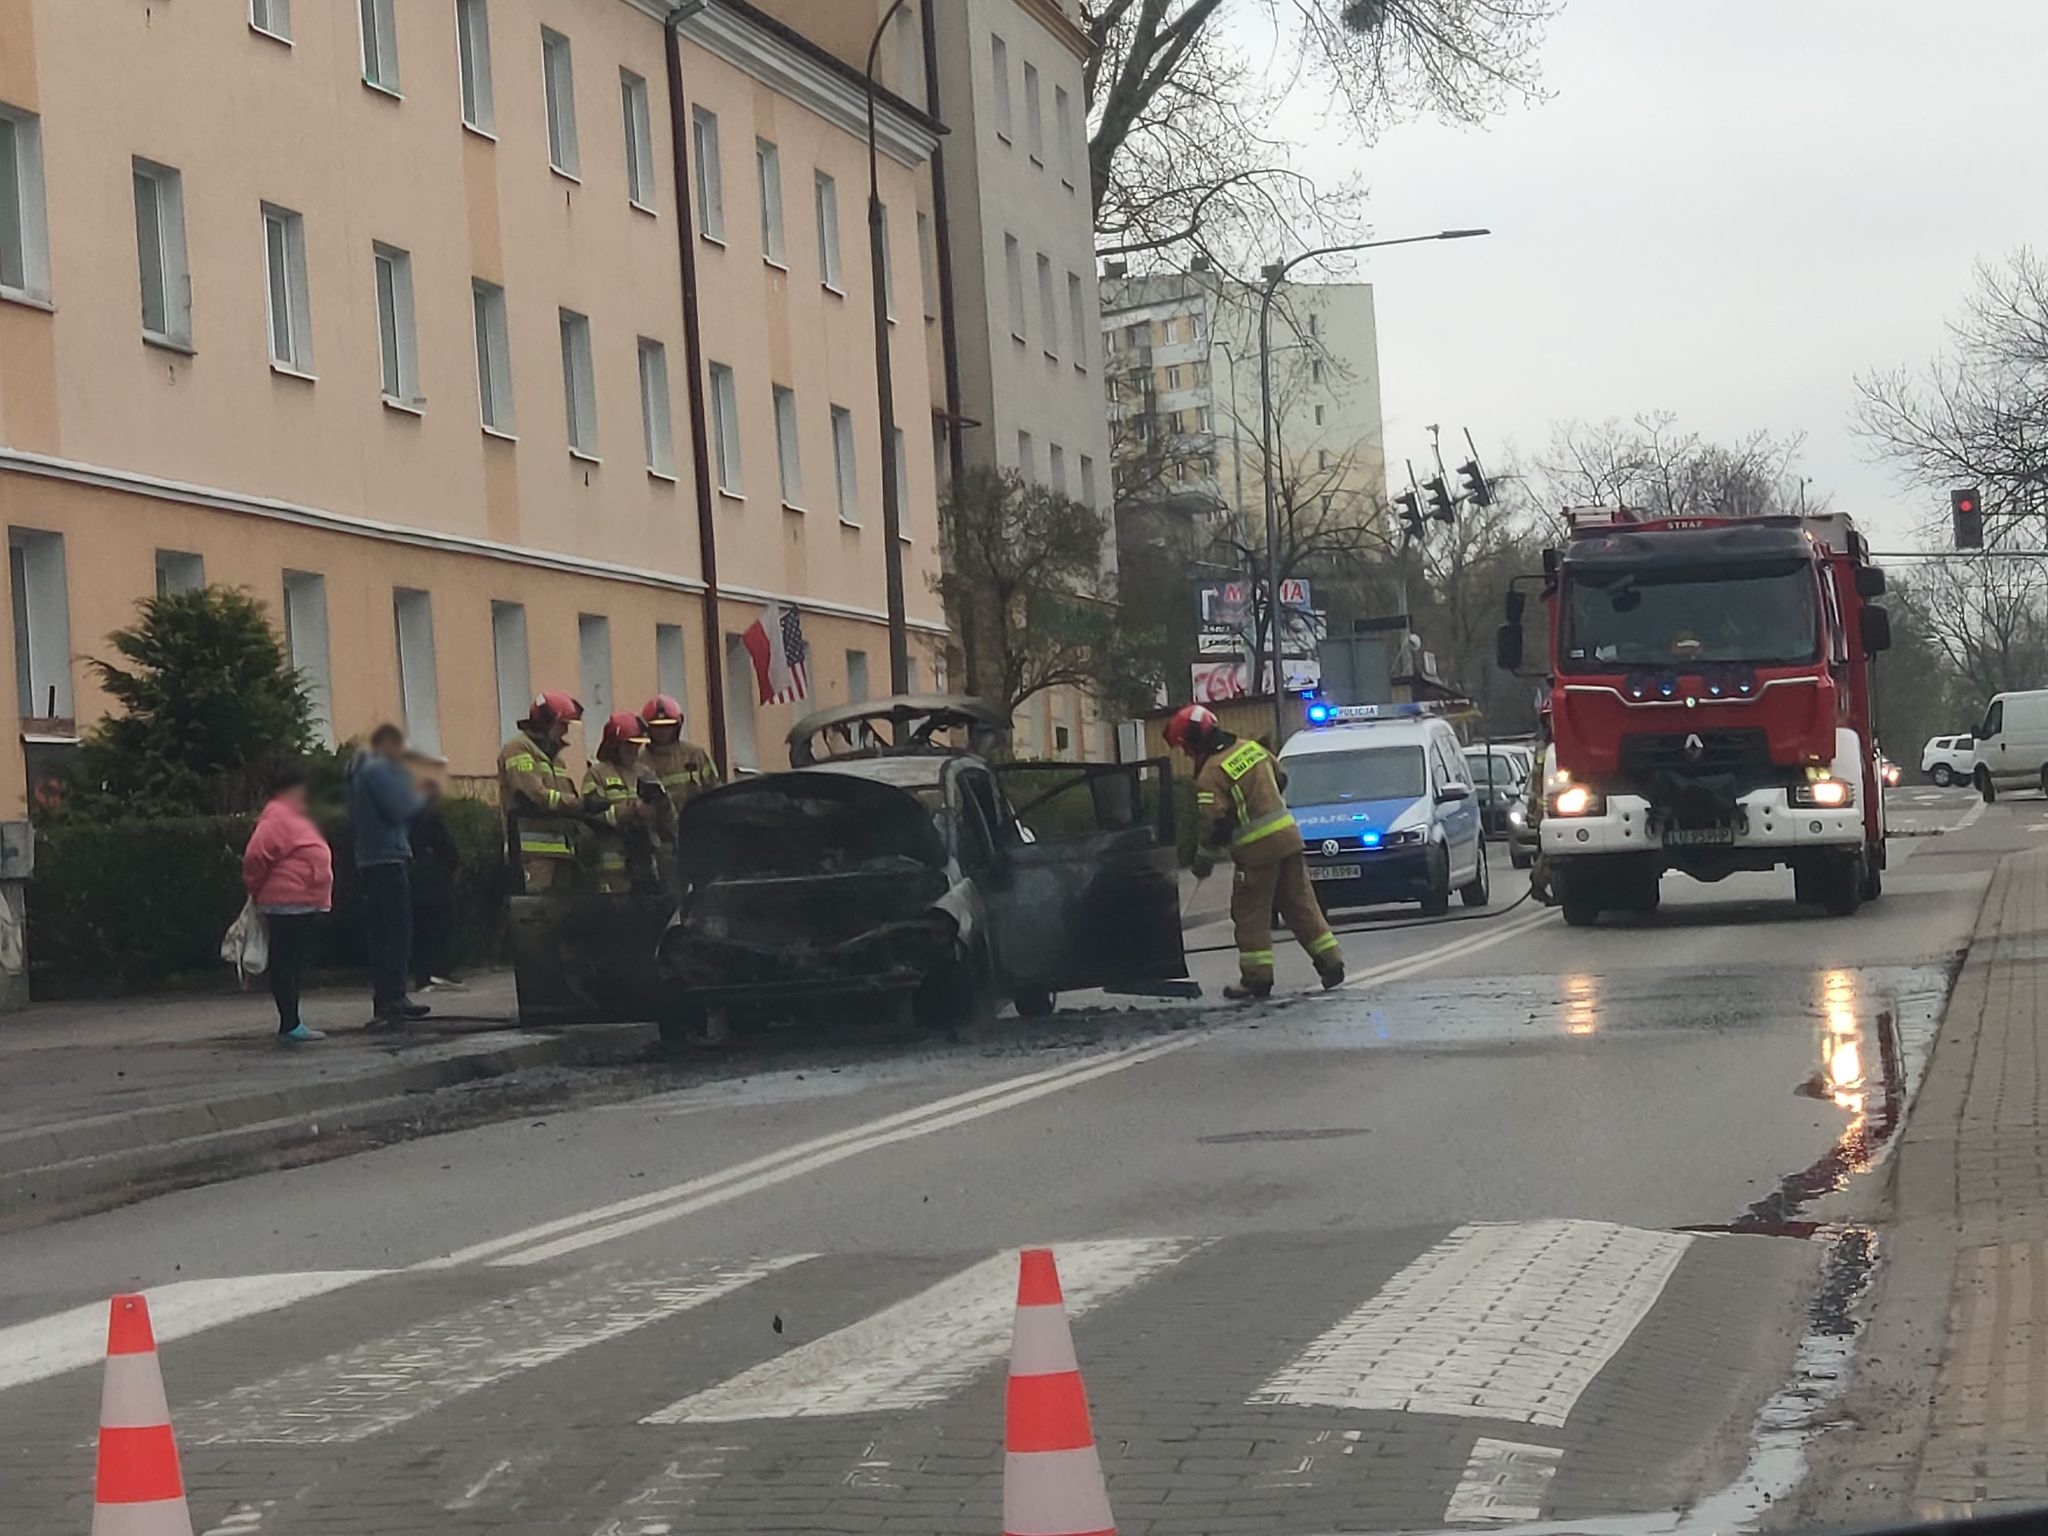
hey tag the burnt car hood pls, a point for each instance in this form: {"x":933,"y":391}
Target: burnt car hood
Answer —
{"x":802,"y":823}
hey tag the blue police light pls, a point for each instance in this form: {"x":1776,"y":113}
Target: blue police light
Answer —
{"x":1319,"y":714}
{"x":1369,"y":839}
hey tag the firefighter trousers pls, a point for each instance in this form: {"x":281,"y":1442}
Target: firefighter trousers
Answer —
{"x":1254,"y":897}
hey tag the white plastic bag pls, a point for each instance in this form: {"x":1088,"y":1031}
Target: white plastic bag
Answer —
{"x":246,"y":945}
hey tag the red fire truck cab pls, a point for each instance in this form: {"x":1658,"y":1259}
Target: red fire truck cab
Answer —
{"x":1709,"y":707}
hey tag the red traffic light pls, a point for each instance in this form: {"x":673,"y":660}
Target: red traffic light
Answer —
{"x":1966,"y":503}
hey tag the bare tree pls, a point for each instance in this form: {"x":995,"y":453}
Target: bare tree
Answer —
{"x":1648,"y":465}
{"x":1182,"y":95}
{"x":1987,"y":619}
{"x":1977,"y":414}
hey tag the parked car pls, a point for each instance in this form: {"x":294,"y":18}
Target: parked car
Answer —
{"x":1949,"y":759}
{"x":1500,"y":777}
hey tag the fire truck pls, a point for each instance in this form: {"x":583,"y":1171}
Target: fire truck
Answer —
{"x":1709,"y":706}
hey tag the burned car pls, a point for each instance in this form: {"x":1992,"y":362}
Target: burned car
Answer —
{"x":910,"y":877}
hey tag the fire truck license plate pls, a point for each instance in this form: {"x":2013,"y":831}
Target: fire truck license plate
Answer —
{"x":1334,"y":871}
{"x":1698,"y":837}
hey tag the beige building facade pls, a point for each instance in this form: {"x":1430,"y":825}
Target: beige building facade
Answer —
{"x":373,"y":307}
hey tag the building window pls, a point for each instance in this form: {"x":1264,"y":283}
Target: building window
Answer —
{"x":1173,"y":377}
{"x":710,"y":181}
{"x":558,"y":76}
{"x":397,"y":338}
{"x":671,"y":670}
{"x":768,"y":169}
{"x":179,"y":570}
{"x":160,"y":254}
{"x":725,"y":427}
{"x":1322,"y":458}
{"x":1048,"y":314}
{"x":845,"y":466}
{"x":493,"y":355}
{"x":273,"y":18}
{"x":856,"y":677}
{"x":1077,"y":318}
{"x":1034,"y":115}
{"x":827,"y":196}
{"x":1056,"y":468}
{"x":290,"y":303}
{"x":1087,"y":482}
{"x":942,"y":459}
{"x":473,"y":60}
{"x":1063,"y":125}
{"x":657,"y":429}
{"x":594,"y":663}
{"x":579,"y":384}
{"x":639,"y":125}
{"x":999,"y":62}
{"x":900,"y":452}
{"x":419,"y":689}
{"x":788,"y":455}
{"x":927,"y":266}
{"x":1027,"y":457}
{"x":380,"y":44}
{"x":1319,"y":415}
{"x":740,"y":706}
{"x":305,"y":645}
{"x":1315,"y":370}
{"x":42,"y":624}
{"x":1315,"y":325}
{"x":508,"y":654}
{"x":1013,"y":271}
{"x":888,"y":265}
{"x":24,"y":245}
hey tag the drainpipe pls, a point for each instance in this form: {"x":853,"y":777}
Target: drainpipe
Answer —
{"x":693,"y":354}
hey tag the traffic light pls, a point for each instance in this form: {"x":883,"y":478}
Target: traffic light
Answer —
{"x":1411,"y":514}
{"x":1440,"y":506}
{"x":1477,"y":491}
{"x":1966,"y":509}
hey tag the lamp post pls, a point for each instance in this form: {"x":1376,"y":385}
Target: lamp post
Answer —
{"x":1275,"y":275}
{"x":885,"y":388}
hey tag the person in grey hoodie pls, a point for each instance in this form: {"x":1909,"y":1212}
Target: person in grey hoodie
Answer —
{"x":382,"y":803}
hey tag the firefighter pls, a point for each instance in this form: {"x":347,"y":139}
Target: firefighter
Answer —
{"x":542,"y":808}
{"x":1238,"y":805}
{"x":620,"y":815}
{"x":684,"y":768}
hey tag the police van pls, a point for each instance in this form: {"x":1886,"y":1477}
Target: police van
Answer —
{"x":1386,"y":807}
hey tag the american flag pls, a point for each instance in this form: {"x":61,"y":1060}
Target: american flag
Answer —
{"x":776,"y":642}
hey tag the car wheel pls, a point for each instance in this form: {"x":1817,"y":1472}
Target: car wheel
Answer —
{"x":1436,"y":901}
{"x":1479,"y":892}
{"x":1873,"y":877}
{"x":1943,"y":775}
{"x":1806,"y":884}
{"x":1842,"y":885}
{"x":1579,"y":895}
{"x":1985,"y":787}
{"x":1521,"y":860}
{"x":1035,"y":1002}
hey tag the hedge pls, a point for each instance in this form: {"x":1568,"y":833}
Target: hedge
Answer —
{"x":127,"y":906}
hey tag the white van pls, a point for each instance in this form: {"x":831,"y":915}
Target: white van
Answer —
{"x":2012,"y":744}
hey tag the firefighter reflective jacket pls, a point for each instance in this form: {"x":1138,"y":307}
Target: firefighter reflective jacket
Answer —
{"x":539,"y":799}
{"x":684,"y":768}
{"x":1238,"y":804}
{"x":620,"y":793}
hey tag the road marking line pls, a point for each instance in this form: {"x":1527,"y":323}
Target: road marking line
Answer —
{"x":656,"y":1509}
{"x":1499,"y":1321}
{"x":1395,"y":970}
{"x":1503,"y":1482}
{"x":1038,"y":1086}
{"x":69,"y":1340}
{"x":921,"y":1350}
{"x":380,"y":1384}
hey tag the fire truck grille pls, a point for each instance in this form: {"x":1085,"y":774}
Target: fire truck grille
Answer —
{"x":1744,"y":754}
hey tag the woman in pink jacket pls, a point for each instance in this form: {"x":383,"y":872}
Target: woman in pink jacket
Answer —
{"x":290,"y":875}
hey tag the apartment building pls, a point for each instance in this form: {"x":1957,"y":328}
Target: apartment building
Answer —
{"x":373,"y":307}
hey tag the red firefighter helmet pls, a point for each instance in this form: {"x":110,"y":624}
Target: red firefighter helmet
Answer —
{"x":552,"y":709}
{"x":623,"y":729}
{"x":1191,"y":727}
{"x":662,"y":710}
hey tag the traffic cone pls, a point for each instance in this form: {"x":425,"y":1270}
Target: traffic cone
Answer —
{"x":139,"y":1490}
{"x":1052,"y":1476}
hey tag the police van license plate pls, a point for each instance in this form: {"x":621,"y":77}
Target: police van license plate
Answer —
{"x":1335,"y":871}
{"x":1699,"y":837}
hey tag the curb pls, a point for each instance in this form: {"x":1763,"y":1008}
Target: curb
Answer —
{"x":107,"y":1160}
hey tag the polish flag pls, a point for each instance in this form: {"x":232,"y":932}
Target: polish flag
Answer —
{"x":776,"y":642}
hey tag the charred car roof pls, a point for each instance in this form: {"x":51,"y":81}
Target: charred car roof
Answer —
{"x":806,"y":820}
{"x":917,"y":718}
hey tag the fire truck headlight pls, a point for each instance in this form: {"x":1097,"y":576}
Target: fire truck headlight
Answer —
{"x":1828,"y":794}
{"x":1576,"y":800}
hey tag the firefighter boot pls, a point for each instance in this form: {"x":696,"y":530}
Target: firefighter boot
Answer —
{"x":1331,"y":969}
{"x":1245,"y":990}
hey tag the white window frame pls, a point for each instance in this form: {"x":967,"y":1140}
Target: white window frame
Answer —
{"x":825,"y":199}
{"x":473,"y":65}
{"x":377,"y":33}
{"x":999,"y":70}
{"x":419,"y":683}
{"x":768,"y":175}
{"x":492,"y":320}
{"x":179,"y":570}
{"x":24,"y":223}
{"x":1034,"y":115}
{"x":927,"y":266}
{"x":856,"y":677}
{"x":740,"y":706}
{"x":579,"y":385}
{"x":789,"y":458}
{"x":900,"y":446}
{"x":1027,"y":457}
{"x":657,"y":424}
{"x":846,"y":466}
{"x":167,"y":262}
{"x":1048,"y":309}
{"x":1088,"y":482}
{"x":558,"y":90}
{"x":1063,"y":126}
{"x":272,"y":18}
{"x":290,"y":335}
{"x":637,"y":120}
{"x":1056,"y":468}
{"x":671,"y":662}
{"x":511,"y":665}
{"x":41,"y":590}
{"x":398,"y":346}
{"x":710,"y":179}
{"x":1013,"y":272}
{"x":1077,"y":319}
{"x":594,"y":663}
{"x":305,"y":646}
{"x":725,"y":430}
{"x":888,"y":267}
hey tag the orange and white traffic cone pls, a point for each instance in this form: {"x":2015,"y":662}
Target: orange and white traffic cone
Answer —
{"x":139,"y":1490}
{"x":1052,"y":1476}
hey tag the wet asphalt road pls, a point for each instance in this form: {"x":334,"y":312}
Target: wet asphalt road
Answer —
{"x":1525,"y":1221}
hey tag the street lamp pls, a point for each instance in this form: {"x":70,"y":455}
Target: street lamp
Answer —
{"x":892,"y":521}
{"x":1275,"y":275}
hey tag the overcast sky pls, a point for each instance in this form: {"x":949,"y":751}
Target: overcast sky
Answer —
{"x":1727,"y":209}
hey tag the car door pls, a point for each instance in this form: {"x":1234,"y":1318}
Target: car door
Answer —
{"x":1991,"y":752}
{"x":1087,"y":889}
{"x":1463,"y":828}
